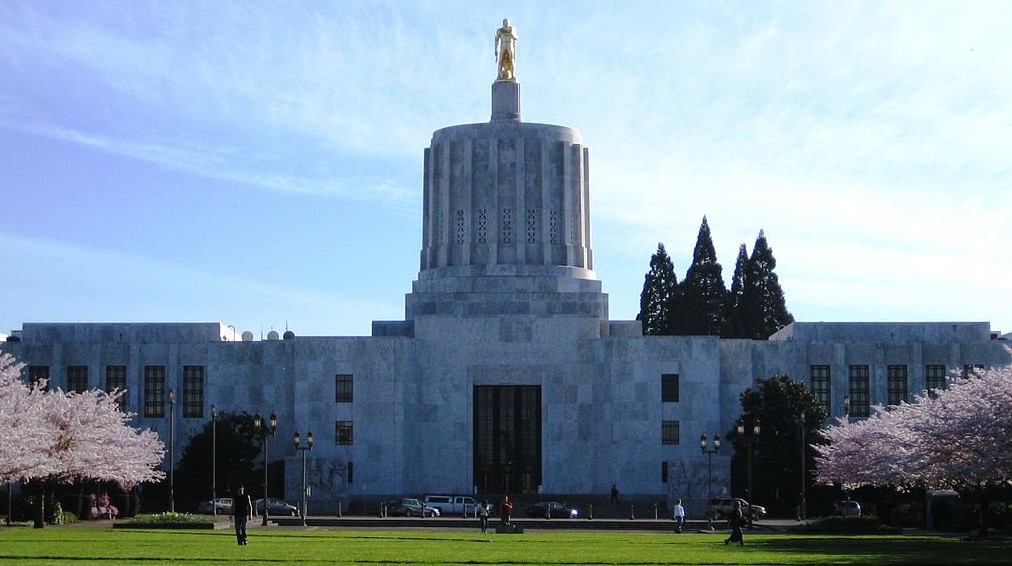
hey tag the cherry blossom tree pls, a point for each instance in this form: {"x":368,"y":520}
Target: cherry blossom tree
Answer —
{"x":93,"y":440}
{"x":23,"y":422}
{"x":957,"y":438}
{"x":56,"y":437}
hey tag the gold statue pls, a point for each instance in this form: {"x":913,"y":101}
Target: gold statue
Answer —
{"x":506,"y":51}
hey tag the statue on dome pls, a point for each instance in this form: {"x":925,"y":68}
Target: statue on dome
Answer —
{"x":506,"y":51}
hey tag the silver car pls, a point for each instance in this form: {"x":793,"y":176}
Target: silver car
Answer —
{"x":223,"y":505}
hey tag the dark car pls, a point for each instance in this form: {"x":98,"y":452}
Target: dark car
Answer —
{"x":724,"y":506}
{"x":553,"y":509}
{"x":410,"y":507}
{"x":276,"y":507}
{"x":848,"y":508}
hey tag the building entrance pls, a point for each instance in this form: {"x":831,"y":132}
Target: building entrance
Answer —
{"x":507,"y":438}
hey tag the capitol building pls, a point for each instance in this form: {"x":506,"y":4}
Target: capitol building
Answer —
{"x":507,"y":374}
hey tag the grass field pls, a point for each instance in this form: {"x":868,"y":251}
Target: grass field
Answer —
{"x":67,"y":545}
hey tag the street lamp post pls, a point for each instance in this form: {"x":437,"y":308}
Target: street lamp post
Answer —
{"x":752,"y":436}
{"x":804,"y":446}
{"x":709,"y":479}
{"x":172,"y":451}
{"x":265,"y":431}
{"x":304,"y":449}
{"x":214,"y":460}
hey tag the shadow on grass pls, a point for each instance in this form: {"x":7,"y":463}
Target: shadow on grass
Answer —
{"x":899,"y":549}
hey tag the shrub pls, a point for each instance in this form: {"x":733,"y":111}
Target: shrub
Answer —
{"x":868,"y":524}
{"x":169,"y":518}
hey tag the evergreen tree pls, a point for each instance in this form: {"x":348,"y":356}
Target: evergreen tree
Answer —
{"x":235,"y":453}
{"x":660,"y":288}
{"x":735,"y":326}
{"x":701,"y":311}
{"x":763,"y":308}
{"x":782,"y":407}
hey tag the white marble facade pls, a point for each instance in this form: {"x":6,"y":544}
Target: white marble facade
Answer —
{"x":506,"y":295}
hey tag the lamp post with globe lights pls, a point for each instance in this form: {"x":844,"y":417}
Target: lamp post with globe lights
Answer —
{"x":751,"y":435}
{"x":303,"y":449}
{"x":709,"y":477}
{"x":264,"y":431}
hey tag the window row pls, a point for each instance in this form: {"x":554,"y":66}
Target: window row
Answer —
{"x":155,"y":394}
{"x":858,"y":396}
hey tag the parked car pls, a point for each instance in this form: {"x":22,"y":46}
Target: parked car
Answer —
{"x":276,"y":507}
{"x":223,"y":504}
{"x":410,"y":507}
{"x":723,"y":506}
{"x":553,"y":509}
{"x":451,"y":504}
{"x":848,"y":508}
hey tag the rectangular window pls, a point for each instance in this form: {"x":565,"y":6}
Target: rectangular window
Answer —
{"x":351,"y":472}
{"x":820,"y":386}
{"x":897,"y":384}
{"x":193,"y":392}
{"x":934,"y":378}
{"x":858,"y":391}
{"x":669,"y":432}
{"x":77,"y":378}
{"x":344,"y":432}
{"x":343,"y":387}
{"x":154,"y":391}
{"x":115,"y":378}
{"x":38,"y":373}
{"x":669,"y":388}
{"x":664,"y":472}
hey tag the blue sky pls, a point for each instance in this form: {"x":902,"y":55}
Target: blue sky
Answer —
{"x":259,"y":163}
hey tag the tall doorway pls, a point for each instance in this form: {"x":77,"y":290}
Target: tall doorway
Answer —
{"x":507,"y":438}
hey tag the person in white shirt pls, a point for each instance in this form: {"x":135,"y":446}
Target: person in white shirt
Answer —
{"x":678,"y":514}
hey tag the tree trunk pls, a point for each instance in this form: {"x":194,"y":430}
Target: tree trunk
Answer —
{"x":984,"y":505}
{"x":40,"y":508}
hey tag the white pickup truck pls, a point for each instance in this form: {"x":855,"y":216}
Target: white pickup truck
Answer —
{"x":460,"y":505}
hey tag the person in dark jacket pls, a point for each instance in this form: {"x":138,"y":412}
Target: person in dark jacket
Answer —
{"x":735,"y":522}
{"x":242,"y":511}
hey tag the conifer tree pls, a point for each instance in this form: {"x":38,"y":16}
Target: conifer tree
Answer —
{"x":701,"y":310}
{"x":763,"y":308}
{"x":735,"y":327}
{"x":660,"y":288}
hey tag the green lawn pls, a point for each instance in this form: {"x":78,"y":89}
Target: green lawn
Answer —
{"x":69,"y":545}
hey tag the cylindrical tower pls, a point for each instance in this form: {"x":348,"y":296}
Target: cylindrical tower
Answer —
{"x":505,"y":193}
{"x":506,"y":220}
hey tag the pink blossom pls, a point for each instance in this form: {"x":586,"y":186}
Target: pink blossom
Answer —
{"x":956,"y":438}
{"x":70,"y":436}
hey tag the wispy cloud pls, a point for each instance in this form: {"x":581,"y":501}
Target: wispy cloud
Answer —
{"x":867,"y":138}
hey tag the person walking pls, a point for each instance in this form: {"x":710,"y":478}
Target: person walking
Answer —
{"x":678,"y":515}
{"x":242,"y":511}
{"x":735,"y":523}
{"x":614,"y":493}
{"x":506,"y":510}
{"x":483,"y":514}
